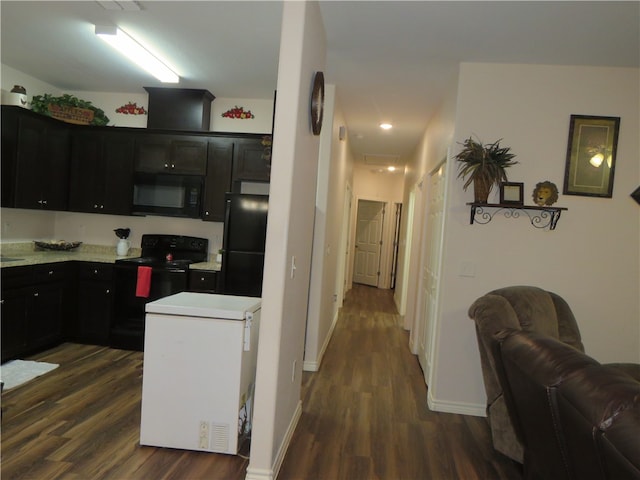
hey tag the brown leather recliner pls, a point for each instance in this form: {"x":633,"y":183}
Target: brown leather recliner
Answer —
{"x":525,"y":308}
{"x":577,"y":419}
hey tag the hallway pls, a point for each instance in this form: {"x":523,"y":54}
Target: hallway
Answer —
{"x":365,"y":412}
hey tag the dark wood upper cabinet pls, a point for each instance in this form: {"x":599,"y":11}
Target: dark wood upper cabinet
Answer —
{"x":167,"y":153}
{"x":101,"y":171}
{"x":251,"y":161}
{"x":37,"y":162}
{"x":218,"y":179}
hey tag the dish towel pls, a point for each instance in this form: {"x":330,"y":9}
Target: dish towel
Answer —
{"x":143,"y":285}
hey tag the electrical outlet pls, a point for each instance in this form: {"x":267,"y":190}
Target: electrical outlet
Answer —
{"x":203,"y":439}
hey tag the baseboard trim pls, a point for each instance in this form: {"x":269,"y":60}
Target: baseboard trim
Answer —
{"x":271,"y":474}
{"x":314,"y":365}
{"x":461,"y":408}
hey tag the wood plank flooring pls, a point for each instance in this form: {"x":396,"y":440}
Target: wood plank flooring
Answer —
{"x":364,"y":417}
{"x":365,"y":412}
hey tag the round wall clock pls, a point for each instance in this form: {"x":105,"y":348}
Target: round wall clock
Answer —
{"x":317,"y":103}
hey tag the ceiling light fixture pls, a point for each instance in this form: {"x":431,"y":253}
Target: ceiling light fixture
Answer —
{"x":136,"y":53}
{"x":386,"y":126}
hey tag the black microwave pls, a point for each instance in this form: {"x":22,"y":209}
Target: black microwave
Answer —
{"x":168,"y":195}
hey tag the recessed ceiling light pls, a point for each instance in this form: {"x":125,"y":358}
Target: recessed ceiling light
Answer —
{"x":386,"y":126}
{"x":391,"y":168}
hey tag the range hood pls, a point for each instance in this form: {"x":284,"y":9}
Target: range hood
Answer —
{"x":179,"y":108}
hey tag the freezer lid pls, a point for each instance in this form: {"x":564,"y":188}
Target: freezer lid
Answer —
{"x":207,"y":305}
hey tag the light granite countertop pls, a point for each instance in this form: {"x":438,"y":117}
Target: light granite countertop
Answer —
{"x":26,"y":253}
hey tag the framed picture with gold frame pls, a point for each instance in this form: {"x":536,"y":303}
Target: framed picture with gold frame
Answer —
{"x":591,"y":156}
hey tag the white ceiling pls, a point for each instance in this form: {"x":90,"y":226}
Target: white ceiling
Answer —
{"x":389,"y":61}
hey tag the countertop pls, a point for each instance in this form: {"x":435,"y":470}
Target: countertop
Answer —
{"x":26,"y":253}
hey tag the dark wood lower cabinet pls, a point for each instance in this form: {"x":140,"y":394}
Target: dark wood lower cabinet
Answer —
{"x":95,"y":303}
{"x":203,"y":281}
{"x":35,"y":304}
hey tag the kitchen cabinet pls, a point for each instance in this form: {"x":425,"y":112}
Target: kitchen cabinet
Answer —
{"x":39,"y":161}
{"x":95,"y":303}
{"x":101,"y":171}
{"x":35,"y":303}
{"x":16,"y":288}
{"x":218,"y":179}
{"x":169,"y":153}
{"x":251,"y":161}
{"x":203,"y":281}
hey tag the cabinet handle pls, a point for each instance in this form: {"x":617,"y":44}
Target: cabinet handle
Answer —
{"x":108,"y":291}
{"x":95,"y":205}
{"x":95,"y":272}
{"x":206,"y":213}
{"x":50,"y":272}
{"x":202,"y":279}
{"x":36,"y":294}
{"x":173,"y":166}
{"x":166,"y":165}
{"x":44,"y":202}
{"x":101,"y":207}
{"x":2,"y":302}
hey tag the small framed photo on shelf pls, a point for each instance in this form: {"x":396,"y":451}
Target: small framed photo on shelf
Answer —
{"x":511,"y":193}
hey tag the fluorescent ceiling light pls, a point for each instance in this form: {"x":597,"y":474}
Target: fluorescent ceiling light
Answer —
{"x":136,"y":53}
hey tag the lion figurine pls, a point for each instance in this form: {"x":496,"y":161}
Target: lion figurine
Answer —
{"x":545,"y":194}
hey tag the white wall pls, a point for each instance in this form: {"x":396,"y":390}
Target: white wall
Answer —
{"x":261,"y":108}
{"x":369,"y":183}
{"x":325,"y":293}
{"x":289,"y":239}
{"x":591,"y":259}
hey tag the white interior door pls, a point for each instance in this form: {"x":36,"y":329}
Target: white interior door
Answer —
{"x":370,"y":218}
{"x":431,"y":268}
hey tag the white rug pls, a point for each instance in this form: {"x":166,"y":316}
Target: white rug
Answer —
{"x":17,"y":372}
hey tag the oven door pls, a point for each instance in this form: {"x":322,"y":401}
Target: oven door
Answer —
{"x":127,"y":331}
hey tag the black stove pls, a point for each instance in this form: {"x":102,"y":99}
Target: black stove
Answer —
{"x":168,"y":258}
{"x":169,"y":251}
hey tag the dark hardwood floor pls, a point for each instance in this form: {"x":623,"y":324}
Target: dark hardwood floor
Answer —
{"x":364,"y":417}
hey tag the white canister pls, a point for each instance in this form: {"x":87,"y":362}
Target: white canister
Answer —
{"x":122,"y":248}
{"x":17,"y":96}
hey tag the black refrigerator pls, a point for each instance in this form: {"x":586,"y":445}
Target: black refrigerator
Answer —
{"x":245,"y":231}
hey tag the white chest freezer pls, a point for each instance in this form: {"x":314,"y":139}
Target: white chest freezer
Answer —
{"x":200,"y":353}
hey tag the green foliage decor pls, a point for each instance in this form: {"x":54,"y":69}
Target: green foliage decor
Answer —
{"x":484,"y":164}
{"x":40,"y":104}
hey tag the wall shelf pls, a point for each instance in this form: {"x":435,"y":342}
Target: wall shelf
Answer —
{"x":540,"y":217}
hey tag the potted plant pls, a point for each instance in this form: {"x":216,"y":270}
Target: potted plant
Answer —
{"x":62,"y":107}
{"x":483,"y":165}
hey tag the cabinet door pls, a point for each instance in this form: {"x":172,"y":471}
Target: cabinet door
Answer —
{"x":204,"y":281}
{"x":117,"y":157}
{"x":179,"y":154}
{"x":9,"y":151}
{"x":30,"y":142}
{"x":44,"y":315}
{"x":152,"y":153}
{"x":218,"y":179}
{"x":42,"y":164}
{"x":87,"y":172}
{"x":13,"y":308}
{"x":251,"y":161}
{"x":55,"y":158}
{"x":189,"y":155}
{"x":95,"y":302}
